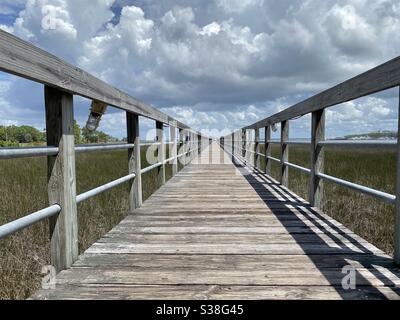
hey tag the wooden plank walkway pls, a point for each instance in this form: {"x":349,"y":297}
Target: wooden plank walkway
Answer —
{"x":221,"y":231}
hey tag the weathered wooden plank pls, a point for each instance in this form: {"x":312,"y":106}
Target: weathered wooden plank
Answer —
{"x":62,"y":178}
{"x":283,"y":277}
{"x":215,"y":292}
{"x":231,"y":239}
{"x":232,"y":230}
{"x":232,"y":248}
{"x":231,"y":262}
{"x":190,"y":222}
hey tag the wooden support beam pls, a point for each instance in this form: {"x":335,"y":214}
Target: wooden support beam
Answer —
{"x":284,"y":153}
{"x":397,"y":218}
{"x":243,"y":152}
{"x":257,"y":162}
{"x":267,"y":151}
{"x":201,"y":143}
{"x":199,"y":148}
{"x":173,"y":149}
{"x":181,"y":146}
{"x":190,"y":145}
{"x":62,"y":178}
{"x":233,"y":143}
{"x":316,"y":188}
{"x":160,"y":153}
{"x":134,"y":158}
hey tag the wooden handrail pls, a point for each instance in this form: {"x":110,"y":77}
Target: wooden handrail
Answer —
{"x":380,"y":78}
{"x":23,"y":59}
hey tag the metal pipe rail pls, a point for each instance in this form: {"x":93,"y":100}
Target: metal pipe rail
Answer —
{"x":297,"y":167}
{"x":13,"y":153}
{"x":387,"y":197}
{"x":149,"y":168}
{"x":274,"y":159}
{"x":105,"y":187}
{"x":29,"y":220}
{"x":103,"y":147}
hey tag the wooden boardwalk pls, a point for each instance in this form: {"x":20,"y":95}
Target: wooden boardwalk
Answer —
{"x":222,"y":231}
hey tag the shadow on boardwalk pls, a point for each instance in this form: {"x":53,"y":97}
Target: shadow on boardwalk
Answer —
{"x":279,"y":199}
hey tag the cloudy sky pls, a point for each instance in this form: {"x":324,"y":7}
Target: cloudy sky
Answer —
{"x":216,"y":64}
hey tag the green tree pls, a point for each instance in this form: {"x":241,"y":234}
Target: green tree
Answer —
{"x":96,"y":136}
{"x":77,"y":133}
{"x":21,"y":134}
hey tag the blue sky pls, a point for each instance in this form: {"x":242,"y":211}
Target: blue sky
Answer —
{"x":216,"y":65}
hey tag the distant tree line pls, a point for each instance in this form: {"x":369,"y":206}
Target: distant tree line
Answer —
{"x":13,"y":136}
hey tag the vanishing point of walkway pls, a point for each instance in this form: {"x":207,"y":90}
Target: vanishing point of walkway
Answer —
{"x":223,"y":231}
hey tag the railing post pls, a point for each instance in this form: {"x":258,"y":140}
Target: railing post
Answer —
{"x":284,"y":153}
{"x":134,"y":158}
{"x":243,"y":152}
{"x":257,"y":148}
{"x":233,"y":144}
{"x":191,"y":145}
{"x":199,"y":149}
{"x":397,"y":218}
{"x":267,"y":151}
{"x":173,"y":149}
{"x":181,"y":144}
{"x":161,"y":153}
{"x":62,"y":178}
{"x":316,"y":191}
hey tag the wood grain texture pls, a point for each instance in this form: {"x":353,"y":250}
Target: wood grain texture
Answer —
{"x":62,"y":178}
{"x":173,"y":149}
{"x":134,"y":161}
{"x":284,"y":153}
{"x":160,"y":153}
{"x":316,"y":187}
{"x":257,"y":159}
{"x":224,"y":231}
{"x":267,"y":150}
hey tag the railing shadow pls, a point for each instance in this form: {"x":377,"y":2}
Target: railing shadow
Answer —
{"x":304,"y":221}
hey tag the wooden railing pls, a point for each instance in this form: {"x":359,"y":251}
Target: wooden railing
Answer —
{"x":61,"y":82}
{"x":383,"y":77}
